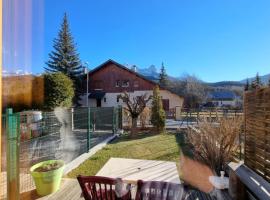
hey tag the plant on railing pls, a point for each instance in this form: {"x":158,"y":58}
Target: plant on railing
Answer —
{"x":215,"y":144}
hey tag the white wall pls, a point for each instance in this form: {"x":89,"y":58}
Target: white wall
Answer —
{"x":111,"y":99}
{"x":83,"y":102}
{"x":226,"y":103}
{"x":175,"y":100}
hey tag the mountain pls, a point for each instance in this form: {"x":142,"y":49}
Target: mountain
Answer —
{"x":227,"y":84}
{"x":152,"y":73}
{"x":264,"y":79}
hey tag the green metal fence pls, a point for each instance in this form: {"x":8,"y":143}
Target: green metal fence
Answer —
{"x":12,"y":139}
{"x":62,"y":134}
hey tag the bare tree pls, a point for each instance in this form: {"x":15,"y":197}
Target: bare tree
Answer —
{"x":194,"y":91}
{"x":135,"y":106}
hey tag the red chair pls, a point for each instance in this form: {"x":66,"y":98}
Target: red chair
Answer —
{"x":154,"y":190}
{"x":103,"y":188}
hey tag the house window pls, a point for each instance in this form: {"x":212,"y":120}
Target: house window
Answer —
{"x":136,"y":84}
{"x":117,"y":83}
{"x":125,"y":83}
{"x":105,"y":99}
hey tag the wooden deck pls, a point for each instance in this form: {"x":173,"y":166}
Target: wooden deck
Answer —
{"x":130,"y":170}
{"x":69,"y":190}
{"x":26,"y":184}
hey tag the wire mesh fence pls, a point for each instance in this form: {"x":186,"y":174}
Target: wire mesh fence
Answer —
{"x":61,"y":134}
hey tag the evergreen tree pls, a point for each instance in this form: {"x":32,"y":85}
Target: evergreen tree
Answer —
{"x":257,"y":82}
{"x":64,"y":58}
{"x":158,"y":114}
{"x":163,"y":77}
{"x":247,"y":85}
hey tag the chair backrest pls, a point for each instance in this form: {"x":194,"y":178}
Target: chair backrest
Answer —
{"x":102,"y":188}
{"x":155,"y":190}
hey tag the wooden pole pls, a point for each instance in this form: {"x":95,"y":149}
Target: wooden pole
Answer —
{"x":1,"y":89}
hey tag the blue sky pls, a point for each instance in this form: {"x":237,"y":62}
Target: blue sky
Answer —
{"x":215,"y":40}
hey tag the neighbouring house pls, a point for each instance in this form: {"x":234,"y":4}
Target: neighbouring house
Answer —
{"x":224,"y":98}
{"x":110,"y":79}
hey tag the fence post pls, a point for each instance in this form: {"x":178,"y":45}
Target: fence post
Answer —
{"x":88,"y":128}
{"x":114,"y":121}
{"x":198,"y":116}
{"x":13,"y":174}
{"x":120,"y":117}
{"x":187,"y":118}
{"x":72,"y":119}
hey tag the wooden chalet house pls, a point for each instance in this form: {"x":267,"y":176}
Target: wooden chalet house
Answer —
{"x":110,"y":79}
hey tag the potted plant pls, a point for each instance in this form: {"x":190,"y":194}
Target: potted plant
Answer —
{"x":47,"y":176}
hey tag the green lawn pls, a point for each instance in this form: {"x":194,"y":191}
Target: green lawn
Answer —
{"x":143,"y":146}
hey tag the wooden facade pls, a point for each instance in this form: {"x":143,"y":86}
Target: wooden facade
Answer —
{"x":110,"y":79}
{"x":114,"y":78}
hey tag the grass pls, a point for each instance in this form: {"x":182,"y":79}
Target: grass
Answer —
{"x":142,"y":146}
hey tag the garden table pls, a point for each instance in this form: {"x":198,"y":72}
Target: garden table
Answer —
{"x":132,"y":170}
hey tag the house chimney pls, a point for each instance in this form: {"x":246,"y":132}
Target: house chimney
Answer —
{"x":134,"y":68}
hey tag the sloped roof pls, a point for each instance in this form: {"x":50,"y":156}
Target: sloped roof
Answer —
{"x":110,"y":61}
{"x":221,"y":95}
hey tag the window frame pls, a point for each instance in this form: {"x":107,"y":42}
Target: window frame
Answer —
{"x":118,"y":83}
{"x":125,"y":85}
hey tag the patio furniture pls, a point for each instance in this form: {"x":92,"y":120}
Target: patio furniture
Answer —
{"x":132,"y":170}
{"x":156,"y":190}
{"x":103,"y":188}
{"x":246,"y":183}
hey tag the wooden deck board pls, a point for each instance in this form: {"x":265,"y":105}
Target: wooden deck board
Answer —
{"x":26,"y":184}
{"x":129,"y":169}
{"x":69,"y":190}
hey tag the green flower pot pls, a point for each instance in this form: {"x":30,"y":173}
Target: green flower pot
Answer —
{"x":47,"y":181}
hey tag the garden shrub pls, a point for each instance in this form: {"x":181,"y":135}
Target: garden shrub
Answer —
{"x":216,"y":144}
{"x":59,"y":91}
{"x":158,"y":116}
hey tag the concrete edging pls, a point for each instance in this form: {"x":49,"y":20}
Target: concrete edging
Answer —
{"x":79,"y":160}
